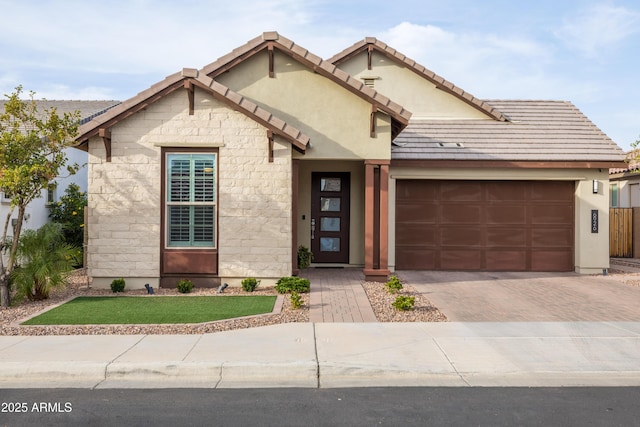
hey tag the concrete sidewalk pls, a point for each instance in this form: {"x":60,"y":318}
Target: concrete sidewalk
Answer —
{"x":334,"y":355}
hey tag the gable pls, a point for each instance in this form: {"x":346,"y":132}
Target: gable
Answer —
{"x":419,"y":95}
{"x":379,"y":57}
{"x":185,"y":82}
{"x":337,"y":122}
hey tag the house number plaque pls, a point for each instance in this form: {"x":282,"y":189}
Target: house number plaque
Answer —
{"x":594,"y":221}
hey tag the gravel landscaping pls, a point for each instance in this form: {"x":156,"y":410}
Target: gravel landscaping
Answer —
{"x":380,"y":300}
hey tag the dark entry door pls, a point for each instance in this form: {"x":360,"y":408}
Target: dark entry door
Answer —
{"x":330,"y":217}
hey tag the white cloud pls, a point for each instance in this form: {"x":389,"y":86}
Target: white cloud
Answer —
{"x":150,"y":36}
{"x":598,"y":28}
{"x":487,"y":65}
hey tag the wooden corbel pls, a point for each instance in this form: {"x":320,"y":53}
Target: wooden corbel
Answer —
{"x":372,"y":121}
{"x":270,"y":138}
{"x":369,"y":55}
{"x":188,"y":85}
{"x":105,"y":134}
{"x":270,"y":50}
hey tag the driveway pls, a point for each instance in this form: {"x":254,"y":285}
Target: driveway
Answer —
{"x":528,"y":297}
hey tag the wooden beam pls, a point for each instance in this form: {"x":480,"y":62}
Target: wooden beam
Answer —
{"x":372,"y":121}
{"x":270,"y":50}
{"x":188,"y":85}
{"x":368,"y":216}
{"x":105,"y":134}
{"x":369,"y":55}
{"x":384,"y":217}
{"x":270,"y":138}
{"x":295,"y":176}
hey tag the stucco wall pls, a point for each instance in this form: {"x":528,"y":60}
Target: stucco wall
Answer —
{"x":408,"y":89}
{"x":628,"y":191}
{"x":336,"y":120}
{"x":254,"y":198}
{"x":591,"y":253}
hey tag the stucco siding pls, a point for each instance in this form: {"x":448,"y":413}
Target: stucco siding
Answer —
{"x":336,"y":120}
{"x":408,"y":89}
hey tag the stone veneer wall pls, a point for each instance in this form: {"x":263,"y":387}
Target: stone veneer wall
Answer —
{"x":254,"y":196}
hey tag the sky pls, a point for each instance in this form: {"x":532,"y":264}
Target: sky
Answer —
{"x":583,"y":51}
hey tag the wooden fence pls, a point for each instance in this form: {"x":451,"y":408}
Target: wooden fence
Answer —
{"x":621,"y":232}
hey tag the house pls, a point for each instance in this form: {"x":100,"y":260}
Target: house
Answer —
{"x":37,"y":212}
{"x":624,"y":184}
{"x":368,"y":158}
{"x":624,"y":201}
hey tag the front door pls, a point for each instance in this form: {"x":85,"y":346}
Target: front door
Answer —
{"x":330,"y":217}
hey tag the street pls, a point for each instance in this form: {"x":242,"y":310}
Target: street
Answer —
{"x":437,"y":406}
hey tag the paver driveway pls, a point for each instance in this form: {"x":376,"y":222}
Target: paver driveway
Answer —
{"x":527,"y":297}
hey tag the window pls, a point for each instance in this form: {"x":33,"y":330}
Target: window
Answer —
{"x":4,"y":197}
{"x":51,"y":193}
{"x":191,"y":200}
{"x":614,"y":196}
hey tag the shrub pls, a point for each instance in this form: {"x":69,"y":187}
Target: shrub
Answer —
{"x":291,"y":284}
{"x":304,"y":257}
{"x":45,"y":259}
{"x":250,"y":284}
{"x":117,"y":285}
{"x":393,"y":285}
{"x":404,"y":303}
{"x":184,"y":286}
{"x":296,"y":300}
{"x":69,"y":212}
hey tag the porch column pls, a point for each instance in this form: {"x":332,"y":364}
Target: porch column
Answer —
{"x":376,"y":220}
{"x":295,"y":174}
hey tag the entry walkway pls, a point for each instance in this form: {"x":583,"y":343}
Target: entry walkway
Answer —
{"x":337,"y":295}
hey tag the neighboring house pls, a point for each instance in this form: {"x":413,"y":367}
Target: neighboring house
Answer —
{"x":368,"y":158}
{"x":37,"y":213}
{"x":624,"y":200}
{"x":624,"y":185}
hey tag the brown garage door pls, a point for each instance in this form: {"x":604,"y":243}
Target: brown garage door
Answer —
{"x":484,"y":225}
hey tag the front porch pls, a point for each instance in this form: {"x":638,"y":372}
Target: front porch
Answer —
{"x":341,"y":212}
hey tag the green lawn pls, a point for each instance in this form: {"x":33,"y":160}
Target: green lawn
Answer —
{"x":159,"y":309}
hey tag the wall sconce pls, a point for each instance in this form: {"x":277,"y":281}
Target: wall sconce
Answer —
{"x":596,"y":186}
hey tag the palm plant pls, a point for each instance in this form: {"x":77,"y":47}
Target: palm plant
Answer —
{"x":44,"y":259}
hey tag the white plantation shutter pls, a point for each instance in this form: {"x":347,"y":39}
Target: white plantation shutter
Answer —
{"x":191,"y":197}
{"x":203,"y":182}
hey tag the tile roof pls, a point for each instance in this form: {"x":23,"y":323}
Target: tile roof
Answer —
{"x":88,"y":109}
{"x":317,"y":64}
{"x":177,"y":81}
{"x":632,"y":165}
{"x":441,"y":83}
{"x":538,"y":131}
